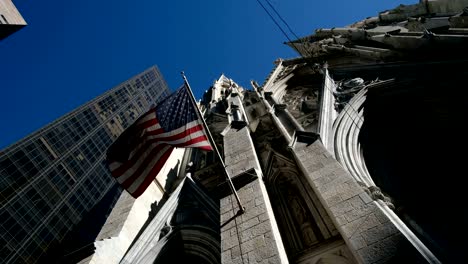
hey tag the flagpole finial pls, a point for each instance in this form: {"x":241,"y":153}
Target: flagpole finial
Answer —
{"x":183,"y":73}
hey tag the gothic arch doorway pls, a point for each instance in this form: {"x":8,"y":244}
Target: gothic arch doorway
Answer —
{"x":303,"y":222}
{"x":410,"y":135}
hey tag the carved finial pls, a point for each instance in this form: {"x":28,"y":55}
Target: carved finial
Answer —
{"x":377,"y":194}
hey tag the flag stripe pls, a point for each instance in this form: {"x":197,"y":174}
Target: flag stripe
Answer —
{"x":147,"y":140}
{"x":194,"y":140}
{"x":176,"y":131}
{"x":139,"y":154}
{"x":127,"y":170}
{"x":202,"y":144}
{"x":151,"y":114}
{"x":173,"y":137}
{"x":149,"y":124}
{"x":148,"y":160}
{"x":175,"y":140}
{"x":142,"y":160}
{"x":136,"y":179}
{"x":152,"y":174}
{"x":157,"y":134}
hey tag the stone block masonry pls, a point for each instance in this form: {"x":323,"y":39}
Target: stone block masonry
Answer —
{"x":247,"y":238}
{"x":239,"y":153}
{"x":252,"y":237}
{"x":368,"y":232}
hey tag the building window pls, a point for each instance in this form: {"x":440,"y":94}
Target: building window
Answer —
{"x":138,"y":83}
{"x":24,"y":163}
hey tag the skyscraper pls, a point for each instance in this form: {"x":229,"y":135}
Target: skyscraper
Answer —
{"x":10,"y":19}
{"x":53,"y":177}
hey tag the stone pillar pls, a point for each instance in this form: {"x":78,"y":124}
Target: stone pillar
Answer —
{"x":327,"y":112}
{"x":369,"y":233}
{"x":252,"y":237}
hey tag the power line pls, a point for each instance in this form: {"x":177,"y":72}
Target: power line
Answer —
{"x":274,"y":21}
{"x":287,"y":25}
{"x":305,"y":49}
{"x":308,"y":55}
{"x":280,"y":17}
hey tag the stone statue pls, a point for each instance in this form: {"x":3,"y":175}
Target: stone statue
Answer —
{"x":301,"y":216}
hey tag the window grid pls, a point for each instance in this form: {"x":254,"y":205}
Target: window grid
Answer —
{"x":45,"y":164}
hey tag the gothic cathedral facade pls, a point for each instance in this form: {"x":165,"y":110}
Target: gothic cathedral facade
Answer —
{"x":346,"y":154}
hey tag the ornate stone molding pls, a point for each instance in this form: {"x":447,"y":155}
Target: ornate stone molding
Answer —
{"x":348,"y":152}
{"x":347,"y":126}
{"x":327,"y":114}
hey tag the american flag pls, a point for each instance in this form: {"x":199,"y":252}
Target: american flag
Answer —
{"x":138,"y":155}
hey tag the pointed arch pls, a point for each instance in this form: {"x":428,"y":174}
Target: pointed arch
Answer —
{"x":302,"y":220}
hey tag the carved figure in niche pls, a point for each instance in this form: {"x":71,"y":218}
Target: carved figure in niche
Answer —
{"x":302,"y":104}
{"x":301,"y":216}
{"x":300,"y":100}
{"x":203,"y":160}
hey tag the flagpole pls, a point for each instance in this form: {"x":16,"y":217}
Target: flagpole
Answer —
{"x":210,"y":138}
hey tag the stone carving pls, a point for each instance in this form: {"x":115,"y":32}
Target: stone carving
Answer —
{"x":345,"y":90}
{"x":165,"y":231}
{"x":286,"y":70}
{"x":377,"y":194}
{"x":302,"y":104}
{"x":302,"y":230}
{"x":302,"y":218}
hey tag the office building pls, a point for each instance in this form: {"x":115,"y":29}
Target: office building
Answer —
{"x":10,"y":19}
{"x":51,"y":179}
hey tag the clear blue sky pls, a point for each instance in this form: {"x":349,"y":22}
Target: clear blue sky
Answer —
{"x":72,"y":51}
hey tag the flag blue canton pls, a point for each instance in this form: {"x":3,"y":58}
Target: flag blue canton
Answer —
{"x":176,"y":110}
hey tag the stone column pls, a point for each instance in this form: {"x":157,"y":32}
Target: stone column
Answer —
{"x":327,"y":112}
